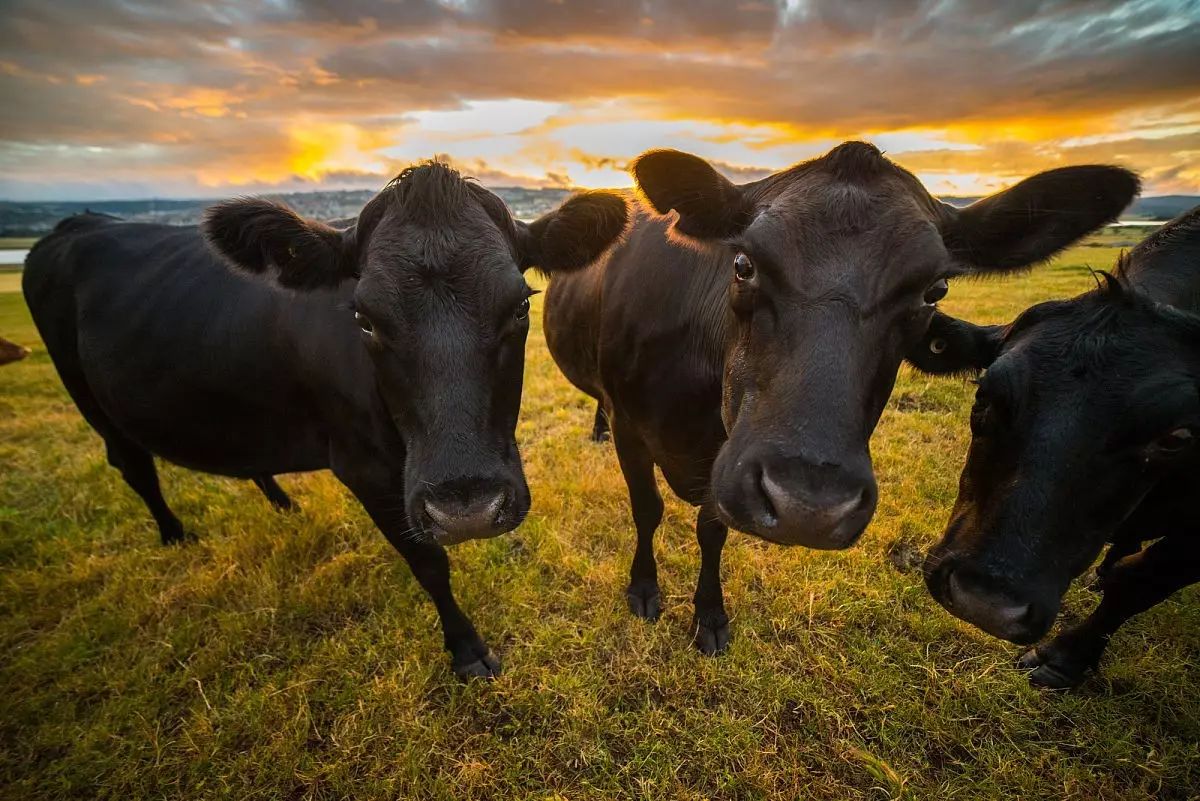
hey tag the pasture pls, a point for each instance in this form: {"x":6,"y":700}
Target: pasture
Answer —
{"x":294,"y":656}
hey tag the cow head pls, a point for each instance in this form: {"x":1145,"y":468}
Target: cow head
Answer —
{"x":1086,"y":405}
{"x":442,"y":307}
{"x":833,"y":269}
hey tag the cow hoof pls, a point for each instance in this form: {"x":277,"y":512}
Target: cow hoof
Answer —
{"x":1046,"y":674}
{"x":711,"y":639}
{"x":180,"y":537}
{"x":600,"y":436}
{"x":644,"y":601}
{"x":485,"y":667}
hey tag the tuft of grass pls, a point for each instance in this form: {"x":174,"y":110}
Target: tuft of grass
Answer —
{"x":292,"y":655}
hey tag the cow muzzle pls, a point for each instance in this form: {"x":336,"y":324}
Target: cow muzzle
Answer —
{"x":457,"y":511}
{"x":794,"y":501}
{"x":988,"y":602}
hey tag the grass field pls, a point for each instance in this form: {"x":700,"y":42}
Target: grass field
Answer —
{"x":293,"y":656}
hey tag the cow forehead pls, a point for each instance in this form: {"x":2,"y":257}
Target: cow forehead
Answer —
{"x":1104,"y":371}
{"x":816,"y":210}
{"x":831,"y":234}
{"x":466,"y":243}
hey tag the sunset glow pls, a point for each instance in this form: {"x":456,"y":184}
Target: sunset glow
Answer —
{"x":132,"y":99}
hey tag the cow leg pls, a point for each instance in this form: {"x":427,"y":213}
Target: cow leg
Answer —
{"x":710,"y":626}
{"x":470,"y":656}
{"x":1134,"y":585}
{"x":1123,"y":545}
{"x":137,"y":468}
{"x":275,"y":494}
{"x":638,"y":468}
{"x":600,"y":432}
{"x":374,"y":486}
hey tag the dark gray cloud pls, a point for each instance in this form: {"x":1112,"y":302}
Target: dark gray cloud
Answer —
{"x":189,"y":84}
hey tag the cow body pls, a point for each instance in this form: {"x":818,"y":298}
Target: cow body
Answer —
{"x":166,"y":345}
{"x":649,"y":356}
{"x":394,"y":356}
{"x":746,"y":347}
{"x":1083,"y":434}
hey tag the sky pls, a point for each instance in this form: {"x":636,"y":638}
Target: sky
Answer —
{"x":204,"y":98}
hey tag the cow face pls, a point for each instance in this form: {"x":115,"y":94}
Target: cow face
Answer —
{"x":1085,"y":406}
{"x":834,"y":267}
{"x":442,"y":307}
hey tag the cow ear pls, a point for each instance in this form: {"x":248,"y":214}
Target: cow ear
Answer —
{"x":710,"y":206}
{"x":258,"y":235}
{"x":956,"y":346}
{"x":575,"y":234}
{"x":1030,"y":222}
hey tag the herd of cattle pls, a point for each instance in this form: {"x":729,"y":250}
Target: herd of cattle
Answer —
{"x":743,"y":338}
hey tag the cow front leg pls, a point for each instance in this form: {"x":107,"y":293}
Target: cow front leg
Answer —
{"x":275,"y":494}
{"x":1132,"y":585}
{"x":600,"y":432}
{"x":637,"y":467}
{"x":470,"y":656}
{"x":710,"y":626}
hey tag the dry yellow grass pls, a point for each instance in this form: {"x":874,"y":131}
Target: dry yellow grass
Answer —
{"x":293,"y":656}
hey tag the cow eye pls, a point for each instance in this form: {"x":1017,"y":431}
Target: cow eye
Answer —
{"x":1176,"y":441}
{"x":522,"y":312}
{"x":743,"y":268}
{"x":936,"y":291}
{"x":364,"y":323}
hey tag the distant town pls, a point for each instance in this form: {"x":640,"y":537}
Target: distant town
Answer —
{"x":27,"y":219}
{"x":32,"y":219}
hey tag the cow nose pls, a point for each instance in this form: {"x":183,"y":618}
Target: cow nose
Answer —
{"x":987,"y":604}
{"x":795,"y":503}
{"x":456,"y":517}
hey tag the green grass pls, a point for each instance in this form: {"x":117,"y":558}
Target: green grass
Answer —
{"x":293,"y":656}
{"x":17,"y":242}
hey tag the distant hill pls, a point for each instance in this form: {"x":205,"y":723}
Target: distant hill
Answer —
{"x":36,"y":218}
{"x":19,"y":219}
{"x":1160,"y":208}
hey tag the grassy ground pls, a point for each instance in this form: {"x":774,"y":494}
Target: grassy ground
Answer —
{"x":293,"y":656}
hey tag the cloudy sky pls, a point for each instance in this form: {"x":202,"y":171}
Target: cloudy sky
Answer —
{"x":123,"y":98}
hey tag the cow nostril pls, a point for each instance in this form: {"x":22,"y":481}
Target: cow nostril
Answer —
{"x":782,"y":498}
{"x":476,"y":514}
{"x":992,"y":609}
{"x":496,"y":508}
{"x":442,"y":518}
{"x":772,"y":496}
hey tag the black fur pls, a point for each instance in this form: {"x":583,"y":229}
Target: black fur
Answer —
{"x":709,"y":205}
{"x":1083,"y":432}
{"x":724,"y":378}
{"x":578,"y":233}
{"x":1038,"y":217}
{"x":257,"y":235}
{"x":401,"y":371}
{"x":952,"y":346}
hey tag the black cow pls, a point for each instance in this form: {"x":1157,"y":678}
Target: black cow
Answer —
{"x":748,"y":347}
{"x":1083,"y":432}
{"x":398,"y":365}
